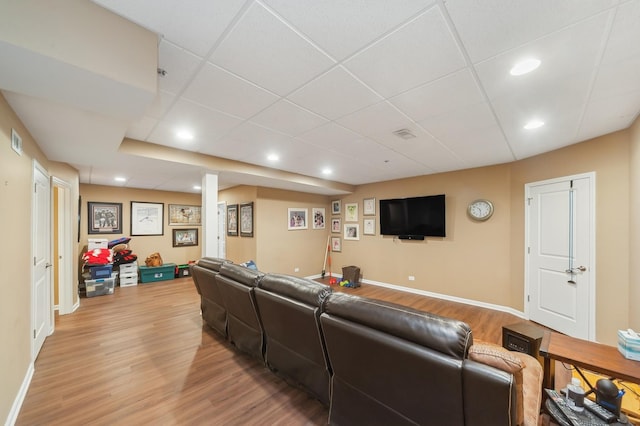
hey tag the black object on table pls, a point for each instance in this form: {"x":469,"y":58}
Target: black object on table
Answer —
{"x":583,"y":418}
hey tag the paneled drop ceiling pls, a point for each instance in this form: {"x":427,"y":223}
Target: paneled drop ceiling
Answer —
{"x":323,"y":85}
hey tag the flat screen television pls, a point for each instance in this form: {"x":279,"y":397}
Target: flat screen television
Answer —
{"x":413,"y":218}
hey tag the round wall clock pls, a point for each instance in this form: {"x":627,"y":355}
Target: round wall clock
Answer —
{"x":480,"y":209}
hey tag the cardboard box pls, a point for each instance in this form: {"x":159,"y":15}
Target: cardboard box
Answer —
{"x":149,"y":274}
{"x":629,"y":346}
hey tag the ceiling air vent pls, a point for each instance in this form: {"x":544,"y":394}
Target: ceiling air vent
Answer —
{"x":404,"y":134}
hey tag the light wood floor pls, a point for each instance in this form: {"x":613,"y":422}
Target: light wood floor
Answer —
{"x":142,"y":356}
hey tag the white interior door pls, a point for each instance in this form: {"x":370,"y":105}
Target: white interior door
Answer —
{"x":560,"y":255}
{"x":222,"y":232}
{"x":41,"y":303}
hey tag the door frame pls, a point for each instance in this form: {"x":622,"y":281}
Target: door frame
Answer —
{"x":592,"y":245}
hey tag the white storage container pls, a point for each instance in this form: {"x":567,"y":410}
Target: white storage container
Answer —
{"x":128,"y":280}
{"x":98,"y":243}
{"x":129,"y":268}
{"x":101,"y":286}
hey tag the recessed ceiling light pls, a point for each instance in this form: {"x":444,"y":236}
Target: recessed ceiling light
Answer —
{"x":327,"y":171}
{"x":525,"y":66}
{"x":120,"y":179}
{"x":273,"y":157}
{"x":197,"y":187}
{"x":534,"y":124}
{"x":184,"y":135}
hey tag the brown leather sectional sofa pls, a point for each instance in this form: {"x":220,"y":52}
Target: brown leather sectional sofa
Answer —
{"x":371,"y":362}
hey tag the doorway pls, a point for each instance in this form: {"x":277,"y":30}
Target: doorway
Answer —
{"x":560,"y":254}
{"x":63,"y":286}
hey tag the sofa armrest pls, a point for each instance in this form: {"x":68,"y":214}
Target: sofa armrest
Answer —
{"x":490,"y":396}
{"x":527,"y":373}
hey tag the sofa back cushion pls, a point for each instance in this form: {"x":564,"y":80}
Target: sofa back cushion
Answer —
{"x":289,"y":309}
{"x":448,"y":336}
{"x":392,"y":364}
{"x":213,"y":263}
{"x":211,"y":302}
{"x":244,"y":330}
{"x":301,"y":289}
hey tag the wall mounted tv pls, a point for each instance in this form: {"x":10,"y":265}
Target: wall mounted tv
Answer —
{"x":413,"y":218}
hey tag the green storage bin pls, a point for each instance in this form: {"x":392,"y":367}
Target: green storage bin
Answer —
{"x":151,"y":274}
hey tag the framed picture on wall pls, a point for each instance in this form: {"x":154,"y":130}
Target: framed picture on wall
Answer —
{"x":147,"y":218}
{"x":246,"y":220}
{"x":369,"y":207}
{"x":369,"y":226}
{"x":351,"y":212}
{"x":297,"y":218}
{"x":185,"y":237}
{"x":335,"y":207}
{"x":336,"y":225}
{"x":351,"y":231}
{"x":336,"y":245}
{"x":180,"y":214}
{"x":318,"y":217}
{"x":104,"y":218}
{"x":232,"y":220}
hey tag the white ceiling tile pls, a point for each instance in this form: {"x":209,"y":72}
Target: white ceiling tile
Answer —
{"x":421,"y":51}
{"x":625,"y":33}
{"x":288,"y":118}
{"x":223,"y":91}
{"x":192,"y":24}
{"x":606,"y":115}
{"x":479,"y":141}
{"x":343,"y":27}
{"x":617,"y":79}
{"x":378,"y":121}
{"x":490,"y":27}
{"x":334,"y":94}
{"x":245,"y":140}
{"x":443,"y":95}
{"x":273,"y":55}
{"x":563,"y":55}
{"x":206,"y":124}
{"x":179,"y":64}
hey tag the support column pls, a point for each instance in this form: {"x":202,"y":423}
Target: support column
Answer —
{"x":210,"y":215}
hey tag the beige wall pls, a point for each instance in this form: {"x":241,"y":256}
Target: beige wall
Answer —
{"x":297,"y":252}
{"x":241,"y":249}
{"x":142,"y":246}
{"x":476,"y":261}
{"x":15,"y":227}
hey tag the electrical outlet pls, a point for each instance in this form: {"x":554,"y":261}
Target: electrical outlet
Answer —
{"x":412,"y":278}
{"x":296,"y":269}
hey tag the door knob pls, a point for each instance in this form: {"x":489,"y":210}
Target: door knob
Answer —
{"x":576,"y":270}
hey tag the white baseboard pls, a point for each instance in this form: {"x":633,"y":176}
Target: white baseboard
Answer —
{"x":22,"y":393}
{"x":491,"y":306}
